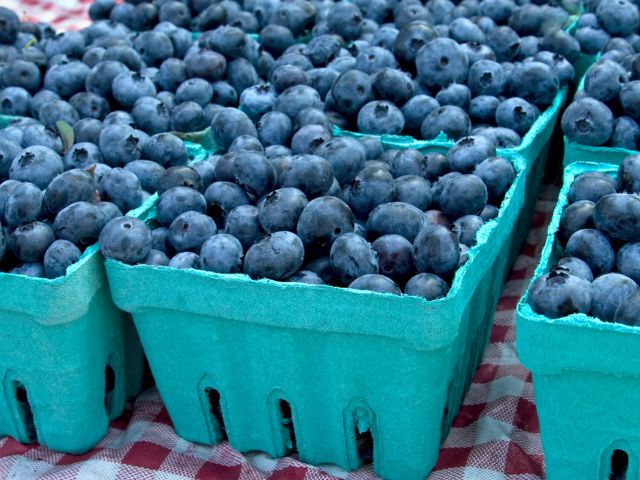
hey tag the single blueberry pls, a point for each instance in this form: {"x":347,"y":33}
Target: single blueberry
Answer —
{"x":60,"y":255}
{"x":395,"y":218}
{"x":427,"y":285}
{"x":125,"y":239}
{"x":594,"y":248}
{"x":558,"y":294}
{"x":436,"y":250}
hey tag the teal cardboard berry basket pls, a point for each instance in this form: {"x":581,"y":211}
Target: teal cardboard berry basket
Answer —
{"x":273,"y":365}
{"x":585,"y":376}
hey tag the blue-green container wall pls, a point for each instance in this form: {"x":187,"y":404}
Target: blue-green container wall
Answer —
{"x":398,"y":366}
{"x":586,"y":375}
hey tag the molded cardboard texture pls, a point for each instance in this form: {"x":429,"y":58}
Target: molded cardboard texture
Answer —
{"x":532,"y":145}
{"x":69,"y":358}
{"x":225,"y":347}
{"x":586,"y":375}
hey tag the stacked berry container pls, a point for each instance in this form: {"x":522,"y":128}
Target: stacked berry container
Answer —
{"x":585,"y":376}
{"x":274,"y":366}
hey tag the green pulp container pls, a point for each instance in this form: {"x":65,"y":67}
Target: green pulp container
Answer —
{"x":69,"y":358}
{"x":271,"y":364}
{"x":586,"y":376}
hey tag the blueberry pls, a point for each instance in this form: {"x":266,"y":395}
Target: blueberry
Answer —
{"x":465,"y":195}
{"x":591,"y":186}
{"x":69,"y":187}
{"x":414,"y":190}
{"x":125,"y":239}
{"x":165,"y":149}
{"x":626,"y":133}
{"x":604,"y":80}
{"x":8,"y":151}
{"x":577,"y":216}
{"x":371,"y":187}
{"x":415,"y":110}
{"x":558,"y":294}
{"x":276,"y":38}
{"x":59,"y":256}
{"x":505,"y":43}
{"x":281,"y":209}
{"x":153,"y":47}
{"x":436,"y":250}
{"x":309,"y":173}
{"x":187,"y":117}
{"x":351,"y":257}
{"x":221,"y":253}
{"x":41,"y":98}
{"x":380,"y":117}
{"x":576,"y":267}
{"x":516,"y":114}
{"x":160,"y":240}
{"x":260,"y":262}
{"x":376,"y":283}
{"x":441,"y":62}
{"x":530,"y":46}
{"x":455,"y":94}
{"x":272,"y":152}
{"x":23,"y":205}
{"x":345,"y":20}
{"x":36,"y":164}
{"x":535,"y":82}
{"x":307,"y":277}
{"x":15,"y":101}
{"x":184,"y":260}
{"x":257,"y":100}
{"x":109,"y":210}
{"x":629,"y":175}
{"x":618,"y":216}
{"x":372,"y":146}
{"x":498,"y":174}
{"x":242,"y":222}
{"x":451,"y":120}
{"x":21,"y":73}
{"x":246,"y":143}
{"x":172,"y":73}
{"x":10,"y":26}
{"x":395,"y":218}
{"x":630,"y":99}
{"x":121,"y":144}
{"x":65,"y":79}
{"x":309,"y":138}
{"x":79,"y":223}
{"x":322,"y":221}
{"x":486,"y":77}
{"x":395,"y":257}
{"x":190,"y":230}
{"x":230,"y":123}
{"x":466,"y":229}
{"x":618,"y":17}
{"x":608,"y":292}
{"x":206,"y":64}
{"x":427,"y":285}
{"x":206,"y":170}
{"x":178,"y":200}
{"x":128,"y":87}
{"x":468,"y":152}
{"x":148,"y":173}
{"x":29,"y":242}
{"x":119,"y":117}
{"x":594,"y":248}
{"x":254,"y":173}
{"x":222,"y":197}
{"x":563,"y":43}
{"x":311,"y":116}
{"x":151,"y":115}
{"x":181,"y":176}
{"x":156,"y":258}
{"x":588,"y":122}
{"x":30,"y":269}
{"x":38,"y":134}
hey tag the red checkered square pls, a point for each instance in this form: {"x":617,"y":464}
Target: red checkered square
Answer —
{"x":146,"y":455}
{"x":214,"y":471}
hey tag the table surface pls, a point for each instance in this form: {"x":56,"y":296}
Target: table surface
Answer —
{"x":495,"y":435}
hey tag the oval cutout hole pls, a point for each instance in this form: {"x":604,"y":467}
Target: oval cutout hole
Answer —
{"x":288,"y":430}
{"x":619,"y":465}
{"x":363,"y":436}
{"x":213,"y":396}
{"x":109,"y":387}
{"x":25,"y":412}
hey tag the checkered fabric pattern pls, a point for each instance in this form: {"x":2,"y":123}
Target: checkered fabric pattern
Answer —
{"x":495,"y":435}
{"x":62,"y":14}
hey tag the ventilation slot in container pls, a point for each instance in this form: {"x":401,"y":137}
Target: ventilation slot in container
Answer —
{"x":25,"y":413}
{"x":619,"y":465}
{"x":213,"y":396}
{"x":288,"y":430}
{"x":363,"y":436}
{"x":109,"y":387}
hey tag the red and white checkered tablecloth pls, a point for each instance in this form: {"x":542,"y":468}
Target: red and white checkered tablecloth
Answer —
{"x":495,"y":435}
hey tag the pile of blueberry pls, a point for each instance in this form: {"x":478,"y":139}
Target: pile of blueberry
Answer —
{"x":600,"y":233}
{"x":350,"y":214}
{"x":608,"y":25}
{"x":55,"y":198}
{"x":606,"y":112}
